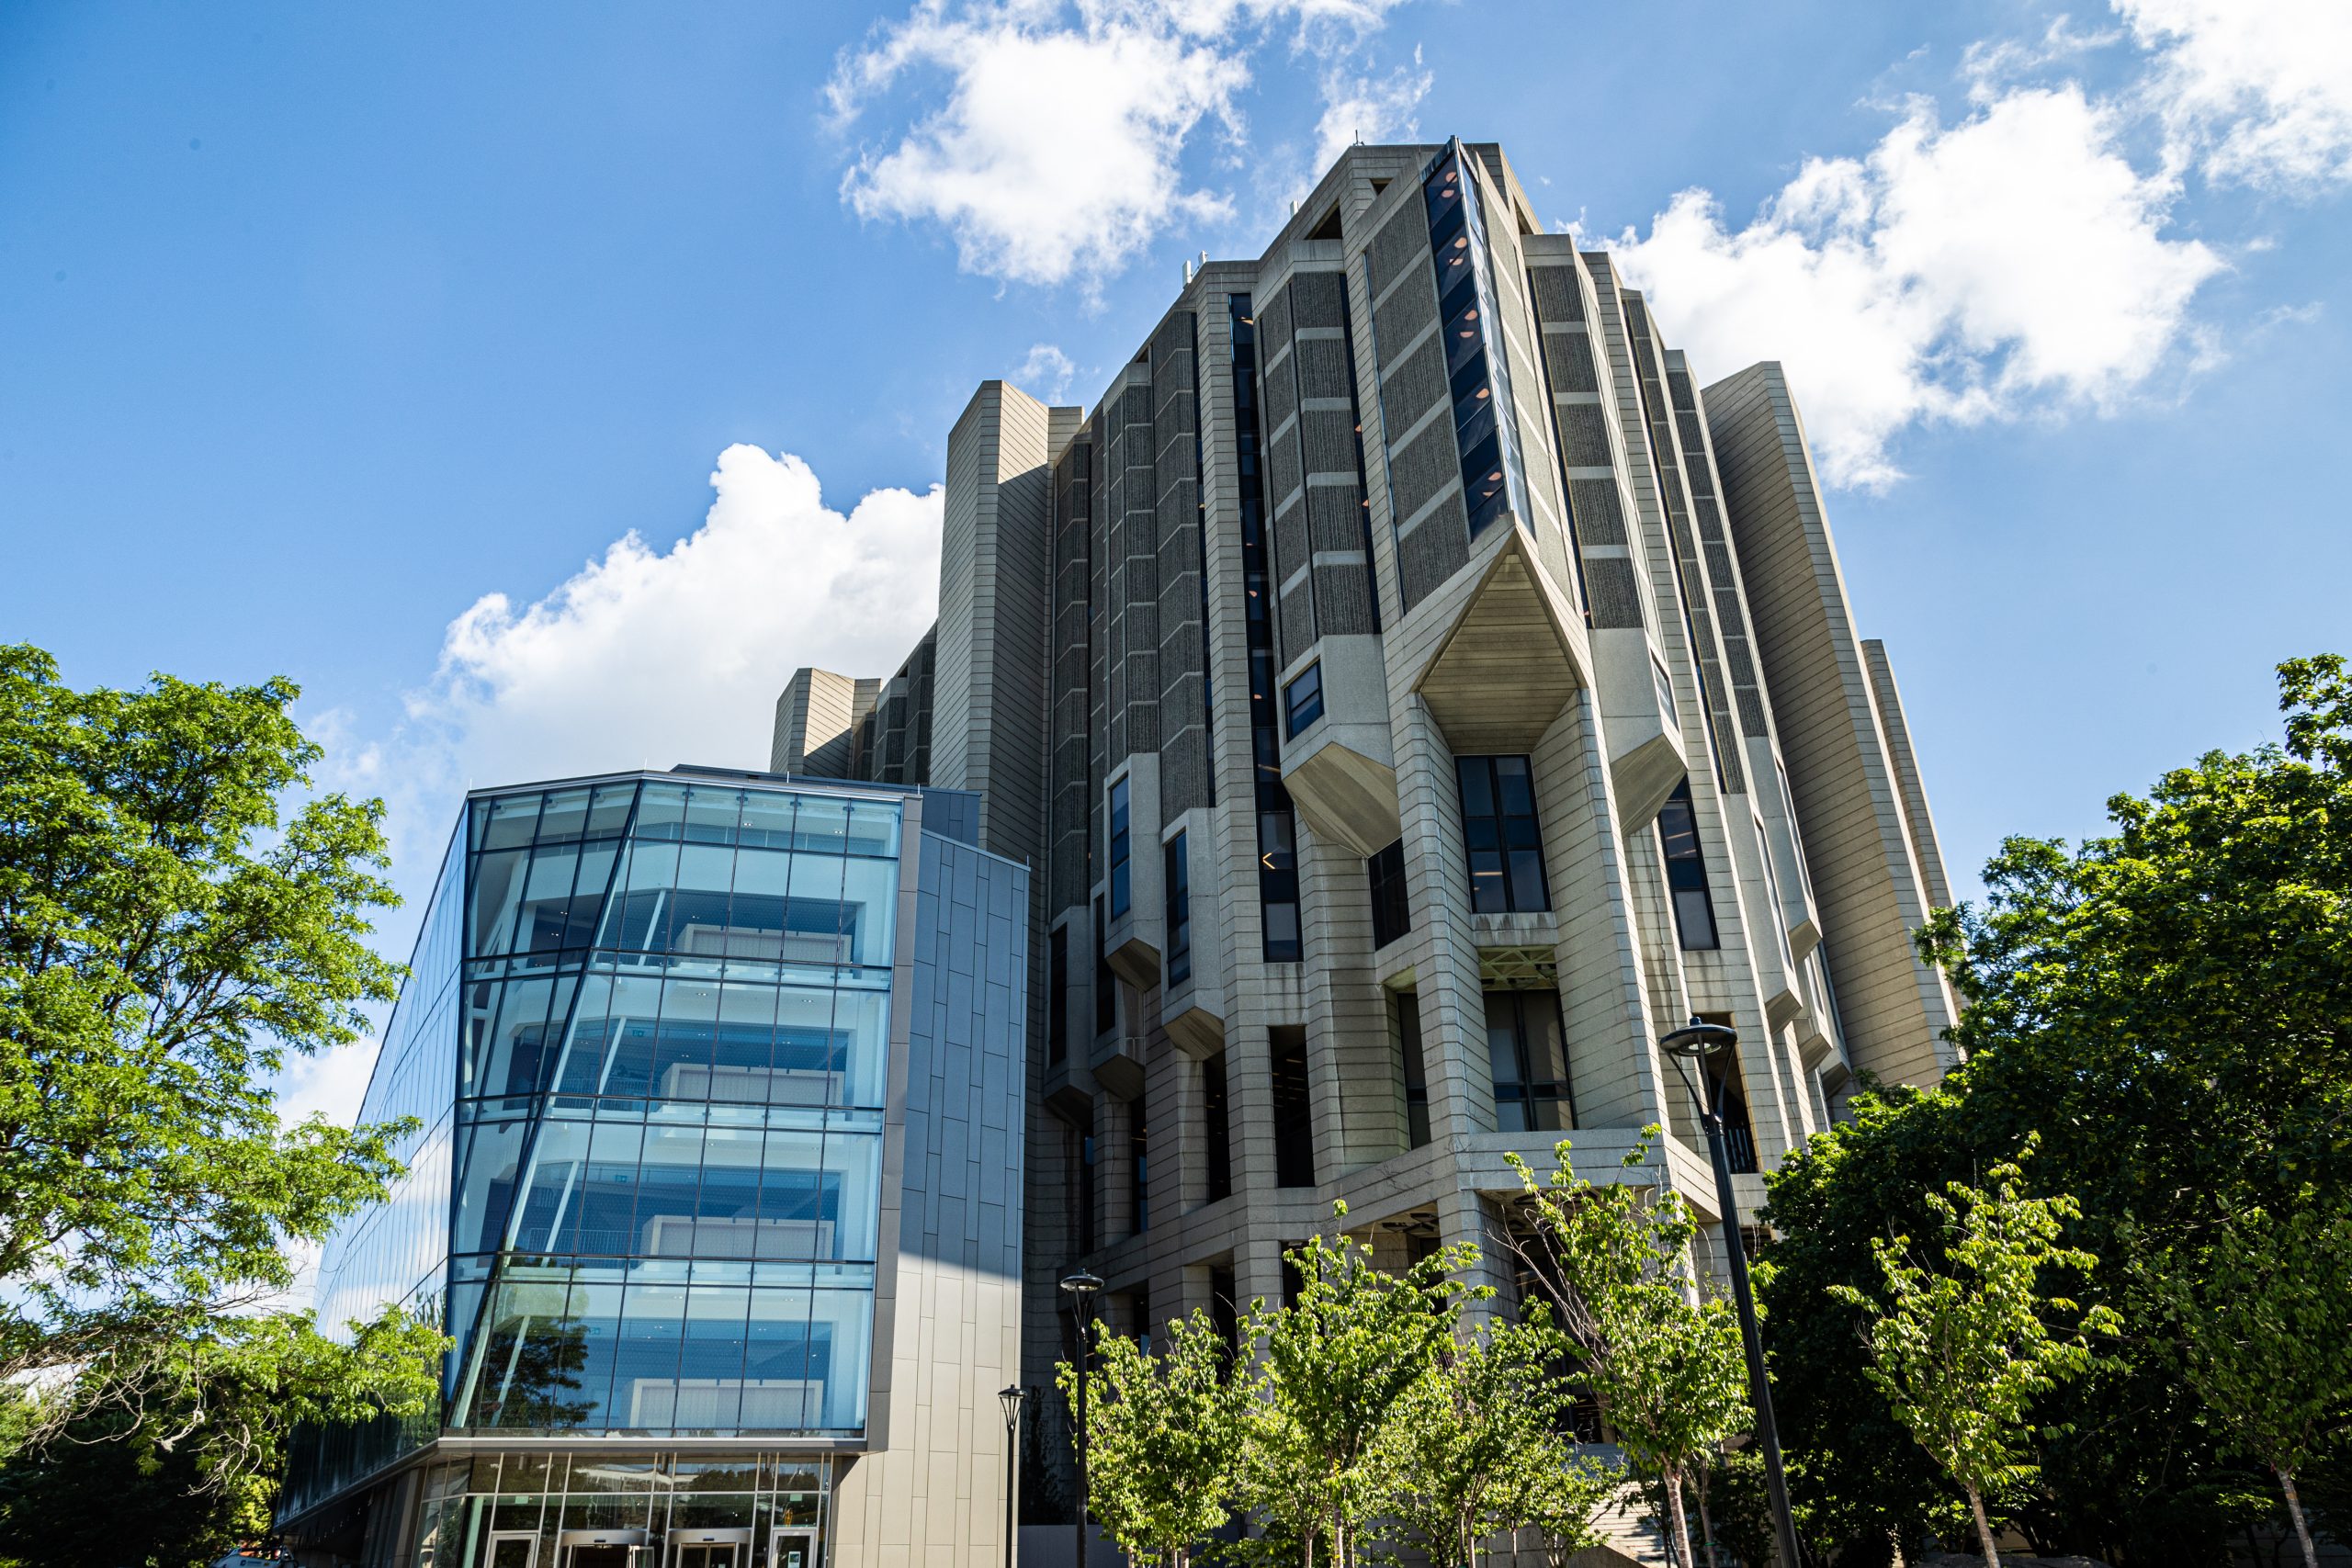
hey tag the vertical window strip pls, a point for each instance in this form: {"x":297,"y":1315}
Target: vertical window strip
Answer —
{"x":1686,"y":872}
{"x":1277,"y":861}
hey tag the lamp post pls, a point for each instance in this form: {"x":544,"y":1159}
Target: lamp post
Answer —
{"x":1010,"y":1396}
{"x":1083,"y":1288}
{"x":1712,"y":1042}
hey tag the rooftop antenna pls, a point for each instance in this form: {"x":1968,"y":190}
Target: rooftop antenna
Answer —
{"x":1188,"y":272}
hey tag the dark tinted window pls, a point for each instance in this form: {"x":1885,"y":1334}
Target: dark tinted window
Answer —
{"x":1293,"y":1110}
{"x":1219,"y":1128}
{"x":1178,"y":883}
{"x":1119,"y":868}
{"x":1392,"y":912}
{"x":1405,"y":1009}
{"x":1686,"y":871}
{"x":1530,"y":1062}
{"x":1303,"y":699}
{"x":1500,"y":830}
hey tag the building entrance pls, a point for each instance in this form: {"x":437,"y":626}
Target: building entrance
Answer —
{"x":793,"y":1549}
{"x":603,"y":1549}
{"x":710,"y":1549}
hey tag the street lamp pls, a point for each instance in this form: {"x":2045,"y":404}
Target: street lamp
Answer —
{"x":1707,"y":1044}
{"x":1010,"y":1396}
{"x":1083,"y":1288}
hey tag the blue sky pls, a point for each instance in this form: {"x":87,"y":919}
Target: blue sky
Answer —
{"x":399,"y":350}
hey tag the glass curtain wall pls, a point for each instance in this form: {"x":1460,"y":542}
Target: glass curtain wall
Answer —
{"x":670,"y":1073}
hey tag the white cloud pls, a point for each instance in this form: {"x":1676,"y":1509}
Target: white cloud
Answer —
{"x":1359,"y":106}
{"x":2255,"y":91}
{"x":1055,"y":153}
{"x":647,"y":658}
{"x":1046,"y":374}
{"x":641,"y":658}
{"x":2012,"y":261}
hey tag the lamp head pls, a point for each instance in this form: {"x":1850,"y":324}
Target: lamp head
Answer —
{"x":1697,"y":1041}
{"x":1010,"y":1397}
{"x":1082,"y":1286}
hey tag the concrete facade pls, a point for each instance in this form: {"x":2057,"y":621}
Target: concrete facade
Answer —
{"x":1425,"y":696}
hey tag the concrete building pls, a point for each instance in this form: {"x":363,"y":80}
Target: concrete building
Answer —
{"x":718,"y":1087}
{"x":1416,"y":693}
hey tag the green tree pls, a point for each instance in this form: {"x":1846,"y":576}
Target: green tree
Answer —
{"x":2265,"y":1315}
{"x":167,"y":936}
{"x":1961,"y":1352}
{"x":175,"y":1469}
{"x":1475,"y":1449}
{"x":1663,"y":1361}
{"x":1163,"y":1439}
{"x":2167,"y":1003}
{"x":1335,"y":1367}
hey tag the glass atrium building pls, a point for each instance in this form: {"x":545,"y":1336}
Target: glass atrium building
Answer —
{"x":717,"y":1084}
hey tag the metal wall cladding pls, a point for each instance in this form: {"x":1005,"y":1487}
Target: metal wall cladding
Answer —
{"x":1401,"y":246}
{"x":1599,"y":509}
{"x":1440,"y":546}
{"x":1616,"y":598}
{"x":1418,"y":471}
{"x":1070,"y":781}
{"x":1184,"y":650}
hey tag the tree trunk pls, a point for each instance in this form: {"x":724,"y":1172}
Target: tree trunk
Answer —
{"x":1677,"y":1524}
{"x":2295,"y":1507}
{"x":1706,"y":1527}
{"x":1983,"y":1528}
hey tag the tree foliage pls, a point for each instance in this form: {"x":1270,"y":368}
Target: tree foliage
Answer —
{"x":167,"y":936}
{"x":2168,"y":1006}
{"x":1337,"y":1365}
{"x":1475,"y":1449}
{"x":176,"y":1469}
{"x":1960,"y":1351}
{"x":1664,"y":1360}
{"x":2263,"y":1308}
{"x":1164,"y":1435}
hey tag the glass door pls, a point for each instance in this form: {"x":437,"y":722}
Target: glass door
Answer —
{"x":513,"y":1549}
{"x":793,"y":1549}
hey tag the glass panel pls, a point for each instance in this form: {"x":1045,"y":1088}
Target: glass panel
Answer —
{"x":858,"y":1044}
{"x":870,"y":895}
{"x":608,"y":1193}
{"x":853,"y":1188}
{"x":490,"y":921}
{"x":493,"y":1153}
{"x":509,"y":821}
{"x":551,"y":1193}
{"x":681,"y":1054}
{"x":710,"y":1364}
{"x":767,"y":819}
{"x":873,"y":828}
{"x":711,"y":814}
{"x":645,"y":1357}
{"x":661,"y":812}
{"x":821,"y":825}
{"x":812,"y":923}
{"x":782,"y":1389}
{"x":564,"y":815}
{"x":669,"y":1178}
{"x":610,"y":811}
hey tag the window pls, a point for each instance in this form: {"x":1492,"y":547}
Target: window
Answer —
{"x":1119,"y":881}
{"x":1686,"y":871}
{"x":1483,"y":431}
{"x":1058,"y":995}
{"x":1294,"y":1112}
{"x":1777,"y":915}
{"x":1106,"y":985}
{"x":1404,"y":1010}
{"x":1219,"y":1129}
{"x":1500,"y":830}
{"x":1139,"y":1180}
{"x":1530,"y":1062}
{"x":1303,"y":699}
{"x":1179,"y":884}
{"x":1392,"y":912}
{"x":1225,"y":1311}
